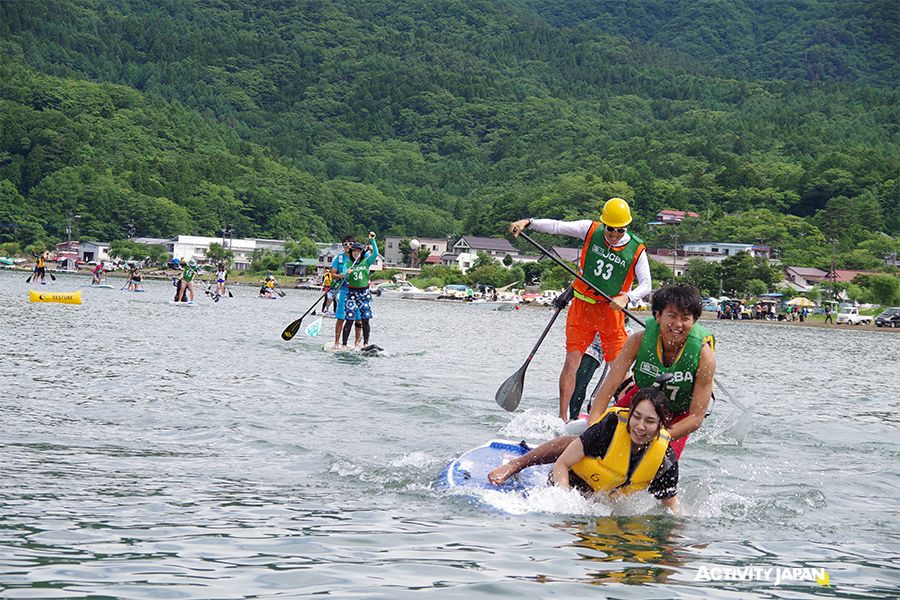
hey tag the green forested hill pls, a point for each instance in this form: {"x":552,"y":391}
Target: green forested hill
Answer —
{"x":443,"y":117}
{"x":814,"y":40}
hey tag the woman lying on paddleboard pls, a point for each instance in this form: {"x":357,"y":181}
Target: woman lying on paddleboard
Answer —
{"x":626,"y":451}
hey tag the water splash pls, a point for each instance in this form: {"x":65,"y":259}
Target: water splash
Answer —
{"x":534,"y":424}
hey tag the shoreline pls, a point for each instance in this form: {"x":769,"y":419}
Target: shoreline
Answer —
{"x":817,"y":323}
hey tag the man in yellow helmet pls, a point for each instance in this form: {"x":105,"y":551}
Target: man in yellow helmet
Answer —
{"x":611,"y":259}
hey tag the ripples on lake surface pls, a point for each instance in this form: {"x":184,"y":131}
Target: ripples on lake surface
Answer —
{"x":155,"y":451}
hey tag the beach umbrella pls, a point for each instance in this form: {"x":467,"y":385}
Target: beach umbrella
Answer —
{"x":801,"y":301}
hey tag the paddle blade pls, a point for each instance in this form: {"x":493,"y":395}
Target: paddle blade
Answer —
{"x":29,"y":278}
{"x":312,"y":330}
{"x":291,"y":330}
{"x":510,"y":392}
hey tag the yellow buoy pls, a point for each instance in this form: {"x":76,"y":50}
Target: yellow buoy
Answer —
{"x":61,"y":297}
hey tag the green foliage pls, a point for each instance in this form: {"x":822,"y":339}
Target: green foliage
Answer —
{"x":387,"y":274}
{"x":10,"y":249}
{"x":405,"y":251}
{"x":494,"y":275}
{"x":438,"y":275}
{"x":422,"y":255}
{"x":219,"y":254}
{"x":483,"y":259}
{"x":660,"y":273}
{"x":262,"y":261}
{"x":704,"y":275}
{"x":879,"y":289}
{"x":130,"y":250}
{"x":302,"y":248}
{"x":755,"y":287}
{"x":775,"y":120}
{"x":555,"y":278}
{"x":426,"y":282}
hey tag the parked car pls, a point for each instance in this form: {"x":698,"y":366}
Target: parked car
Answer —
{"x":889,"y":318}
{"x":851,"y":316}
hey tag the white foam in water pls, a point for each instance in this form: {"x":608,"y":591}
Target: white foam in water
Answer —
{"x":555,"y":500}
{"x":419,"y":460}
{"x":534,"y":424}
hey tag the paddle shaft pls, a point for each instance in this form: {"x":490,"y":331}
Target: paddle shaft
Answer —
{"x":578,"y":276}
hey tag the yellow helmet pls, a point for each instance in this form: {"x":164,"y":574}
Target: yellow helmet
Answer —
{"x":616,"y":213}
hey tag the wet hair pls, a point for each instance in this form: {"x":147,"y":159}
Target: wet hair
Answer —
{"x":685,"y":297}
{"x":658,"y":399}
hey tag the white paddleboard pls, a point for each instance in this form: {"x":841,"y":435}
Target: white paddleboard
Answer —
{"x":469,"y":471}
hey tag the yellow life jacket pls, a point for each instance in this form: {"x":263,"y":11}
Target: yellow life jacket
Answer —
{"x":40,"y":261}
{"x":270,"y":284}
{"x":611,"y":472}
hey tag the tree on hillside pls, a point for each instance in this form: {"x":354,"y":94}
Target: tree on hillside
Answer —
{"x":882,"y":289}
{"x":405,"y":251}
{"x":483,"y":259}
{"x":704,"y":275}
{"x":302,"y":248}
{"x":218,"y":253}
{"x":660,"y":273}
{"x":422,"y":255}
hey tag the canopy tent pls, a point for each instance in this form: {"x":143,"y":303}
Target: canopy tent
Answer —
{"x":801,"y":301}
{"x":771,"y":295}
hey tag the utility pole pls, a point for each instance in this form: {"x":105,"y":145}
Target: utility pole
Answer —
{"x":675,"y":254}
{"x":832,"y":275}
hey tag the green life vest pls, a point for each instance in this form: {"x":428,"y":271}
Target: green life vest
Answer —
{"x":612,"y":271}
{"x":358,"y":275}
{"x":648,"y":365}
{"x":188,"y":273}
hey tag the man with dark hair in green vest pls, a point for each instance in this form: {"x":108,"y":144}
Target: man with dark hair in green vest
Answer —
{"x":671,"y":343}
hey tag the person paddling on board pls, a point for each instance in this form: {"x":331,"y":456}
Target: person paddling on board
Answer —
{"x":40,"y":266}
{"x":221,"y":277}
{"x":326,"y":290}
{"x":268,"y":286}
{"x":358,"y":305}
{"x":186,"y":285}
{"x":339,"y":267}
{"x":611,"y":258}
{"x":671,"y":343}
{"x":135,"y":280}
{"x":97,"y":274}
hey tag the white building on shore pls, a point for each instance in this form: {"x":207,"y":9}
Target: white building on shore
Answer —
{"x":393,"y":257}
{"x":195,"y":247}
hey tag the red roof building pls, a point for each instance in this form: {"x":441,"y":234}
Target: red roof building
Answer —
{"x":666,"y":217}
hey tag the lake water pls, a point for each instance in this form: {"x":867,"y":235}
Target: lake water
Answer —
{"x":156,"y":451}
